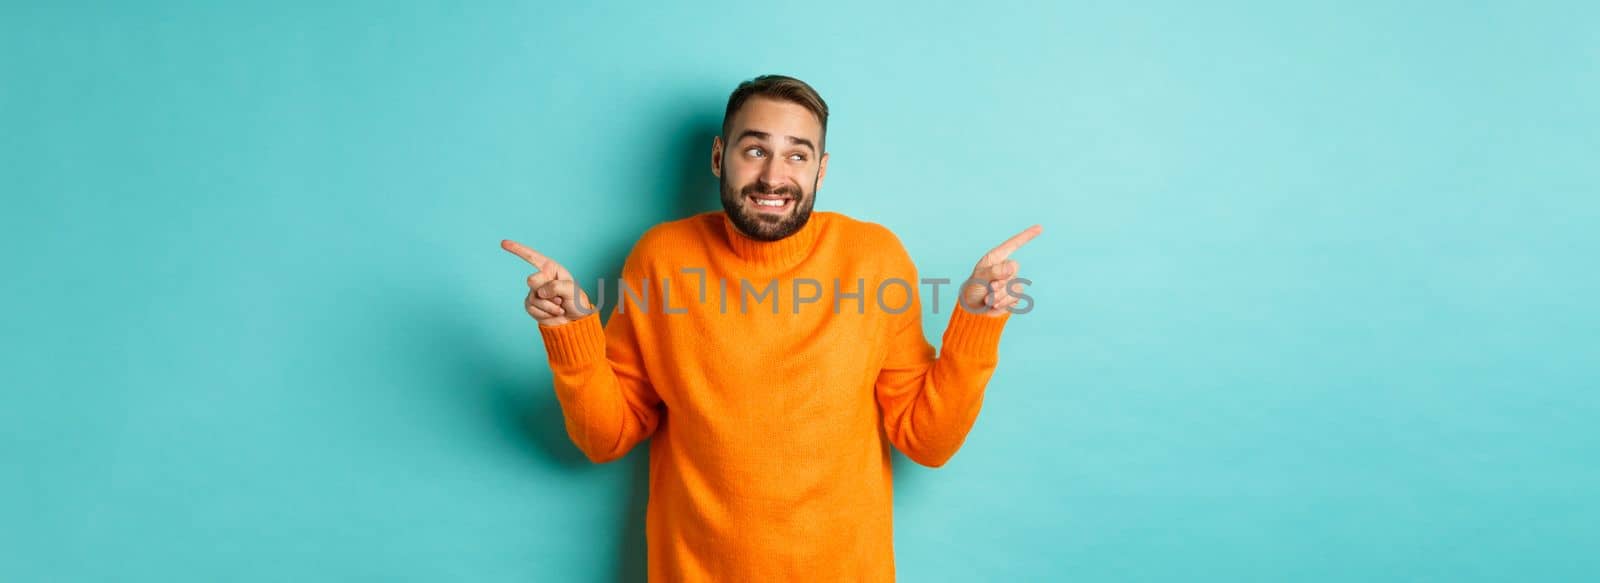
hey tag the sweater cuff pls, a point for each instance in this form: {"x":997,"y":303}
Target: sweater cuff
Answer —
{"x":576,"y":342}
{"x":974,"y":334}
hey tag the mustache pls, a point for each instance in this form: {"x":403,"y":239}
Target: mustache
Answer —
{"x":759,"y":187}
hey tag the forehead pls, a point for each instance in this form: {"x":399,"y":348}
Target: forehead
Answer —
{"x":779,"y":118}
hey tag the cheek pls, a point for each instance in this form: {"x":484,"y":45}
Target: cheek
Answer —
{"x":746,"y":174}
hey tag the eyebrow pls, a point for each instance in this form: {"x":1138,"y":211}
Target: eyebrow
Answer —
{"x":766,"y":136}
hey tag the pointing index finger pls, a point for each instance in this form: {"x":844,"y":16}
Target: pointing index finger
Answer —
{"x":1014,"y":243}
{"x":529,"y":255}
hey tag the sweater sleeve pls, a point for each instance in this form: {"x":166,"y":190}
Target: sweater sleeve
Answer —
{"x":929,"y":404}
{"x":606,"y":397}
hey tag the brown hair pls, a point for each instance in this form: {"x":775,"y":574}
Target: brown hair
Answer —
{"x":782,"y":88}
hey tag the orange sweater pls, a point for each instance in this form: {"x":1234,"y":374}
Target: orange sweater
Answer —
{"x":769,"y":456}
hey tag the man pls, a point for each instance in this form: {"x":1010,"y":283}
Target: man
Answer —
{"x":770,"y":421}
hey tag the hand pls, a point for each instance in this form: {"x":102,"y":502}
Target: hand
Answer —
{"x":554,"y":297}
{"x":986,"y":291}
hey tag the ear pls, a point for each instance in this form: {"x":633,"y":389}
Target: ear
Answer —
{"x":716,"y":156}
{"x":822,"y":170}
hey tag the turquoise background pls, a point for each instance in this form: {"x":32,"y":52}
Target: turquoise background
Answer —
{"x":1315,"y":296}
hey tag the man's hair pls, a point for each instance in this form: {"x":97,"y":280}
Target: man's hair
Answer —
{"x":782,"y":88}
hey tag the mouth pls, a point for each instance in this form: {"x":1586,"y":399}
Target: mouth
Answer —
{"x":770,"y":203}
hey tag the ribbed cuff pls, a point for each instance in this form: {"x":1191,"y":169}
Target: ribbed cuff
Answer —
{"x":974,"y":334}
{"x":576,"y":342}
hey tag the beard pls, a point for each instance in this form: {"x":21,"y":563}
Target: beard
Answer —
{"x":766,"y":226}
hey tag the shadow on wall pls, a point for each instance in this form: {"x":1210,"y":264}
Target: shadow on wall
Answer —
{"x":687,"y":153}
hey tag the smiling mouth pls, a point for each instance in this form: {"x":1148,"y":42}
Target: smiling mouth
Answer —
{"x":771,"y":203}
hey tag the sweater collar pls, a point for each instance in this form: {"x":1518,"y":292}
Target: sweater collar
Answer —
{"x":781,"y":253}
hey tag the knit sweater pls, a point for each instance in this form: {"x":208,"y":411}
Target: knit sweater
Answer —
{"x":771,"y":401}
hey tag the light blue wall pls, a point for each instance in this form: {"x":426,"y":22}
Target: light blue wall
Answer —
{"x":1315,"y":299}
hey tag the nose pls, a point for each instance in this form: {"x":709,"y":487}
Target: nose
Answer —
{"x":773,"y":174}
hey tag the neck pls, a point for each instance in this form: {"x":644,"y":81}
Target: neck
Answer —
{"x":781,"y":253}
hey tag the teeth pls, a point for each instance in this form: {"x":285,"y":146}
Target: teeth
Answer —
{"x":770,"y":202}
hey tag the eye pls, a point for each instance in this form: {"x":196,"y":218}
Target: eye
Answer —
{"x":754,"y":152}
{"x":798,"y":157}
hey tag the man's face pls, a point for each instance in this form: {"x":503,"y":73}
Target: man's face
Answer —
{"x":770,"y":168}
